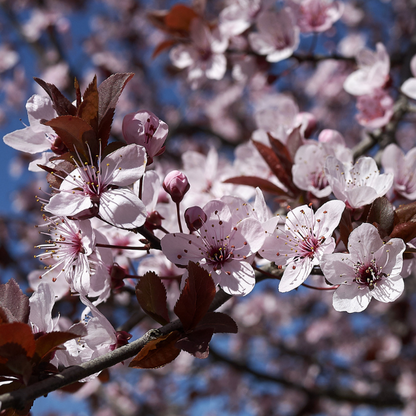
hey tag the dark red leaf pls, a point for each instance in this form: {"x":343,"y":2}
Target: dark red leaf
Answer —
{"x":196,"y":297}
{"x":405,"y":213}
{"x":157,"y":353}
{"x":88,"y":110}
{"x":382,"y":213}
{"x":74,"y":132}
{"x":17,"y":333}
{"x":254,"y":181}
{"x":294,"y":141}
{"x":406,"y":231}
{"x":166,"y":44}
{"x":180,"y":17}
{"x":196,"y":342}
{"x":60,"y":103}
{"x":274,"y":164}
{"x":282,"y":152}
{"x":108,"y":94}
{"x":345,"y":226}
{"x":48,"y":342}
{"x":14,"y":304}
{"x":218,"y":322}
{"x":151,"y":294}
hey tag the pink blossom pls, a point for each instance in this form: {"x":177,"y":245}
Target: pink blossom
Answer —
{"x":308,"y":170}
{"x":316,"y":15}
{"x":373,"y":72}
{"x":302,"y":241}
{"x":403,"y":167}
{"x":359,"y":185}
{"x":225,"y":246}
{"x":376,"y":109}
{"x":238,"y":17}
{"x":101,"y":191}
{"x":277,"y":37}
{"x":36,"y":137}
{"x":145,"y":129}
{"x":204,"y":57}
{"x":409,"y":86}
{"x":71,"y":251}
{"x":371,"y":269}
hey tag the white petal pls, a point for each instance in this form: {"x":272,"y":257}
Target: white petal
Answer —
{"x":295,"y":274}
{"x":349,"y":298}
{"x":67,"y":204}
{"x":122,"y":208}
{"x":389,"y":289}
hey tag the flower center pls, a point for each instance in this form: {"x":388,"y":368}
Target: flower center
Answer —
{"x":367,"y":275}
{"x":217,"y":256}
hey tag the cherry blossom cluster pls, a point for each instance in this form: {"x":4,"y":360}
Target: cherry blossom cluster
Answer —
{"x":296,"y":202}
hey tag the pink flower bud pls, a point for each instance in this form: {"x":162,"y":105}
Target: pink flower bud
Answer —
{"x":195,"y":218}
{"x":176,"y":185}
{"x":145,"y":129}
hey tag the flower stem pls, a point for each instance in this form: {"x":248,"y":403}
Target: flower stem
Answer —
{"x":178,"y":211}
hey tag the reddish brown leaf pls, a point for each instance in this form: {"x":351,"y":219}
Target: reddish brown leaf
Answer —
{"x":14,"y":304}
{"x":166,"y":44}
{"x":196,"y":297}
{"x":74,"y":132}
{"x":274,"y":164}
{"x":196,"y":342}
{"x":382,"y":213}
{"x":282,"y":152}
{"x":77,"y":93}
{"x":48,"y":342}
{"x":60,"y":103}
{"x":405,"y":213}
{"x":20,"y":334}
{"x":294,"y":141}
{"x":108,"y":94}
{"x":88,"y":110}
{"x":254,"y":181}
{"x":151,"y":294}
{"x":180,"y":17}
{"x":157,"y":353}
{"x":345,"y":226}
{"x":218,"y":322}
{"x":406,"y":231}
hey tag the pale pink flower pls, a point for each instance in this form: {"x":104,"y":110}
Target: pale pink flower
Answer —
{"x":277,"y":37}
{"x":101,"y":190}
{"x":375,"y":109}
{"x":301,"y":242}
{"x":145,"y":129}
{"x":225,"y":246}
{"x":359,"y":185}
{"x":204,"y":57}
{"x":9,"y":58}
{"x":238,"y":16}
{"x":41,"y":304}
{"x":316,"y":15}
{"x":371,"y":269}
{"x":36,"y":137}
{"x":308,"y":170}
{"x":403,"y":167}
{"x":409,"y":86}
{"x":71,"y":251}
{"x":373,"y":72}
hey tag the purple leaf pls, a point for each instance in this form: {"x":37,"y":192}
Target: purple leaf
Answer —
{"x":151,"y":294}
{"x":14,"y":304}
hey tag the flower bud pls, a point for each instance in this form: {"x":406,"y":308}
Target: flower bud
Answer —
{"x":145,"y":129}
{"x":176,"y":185}
{"x":195,"y":218}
